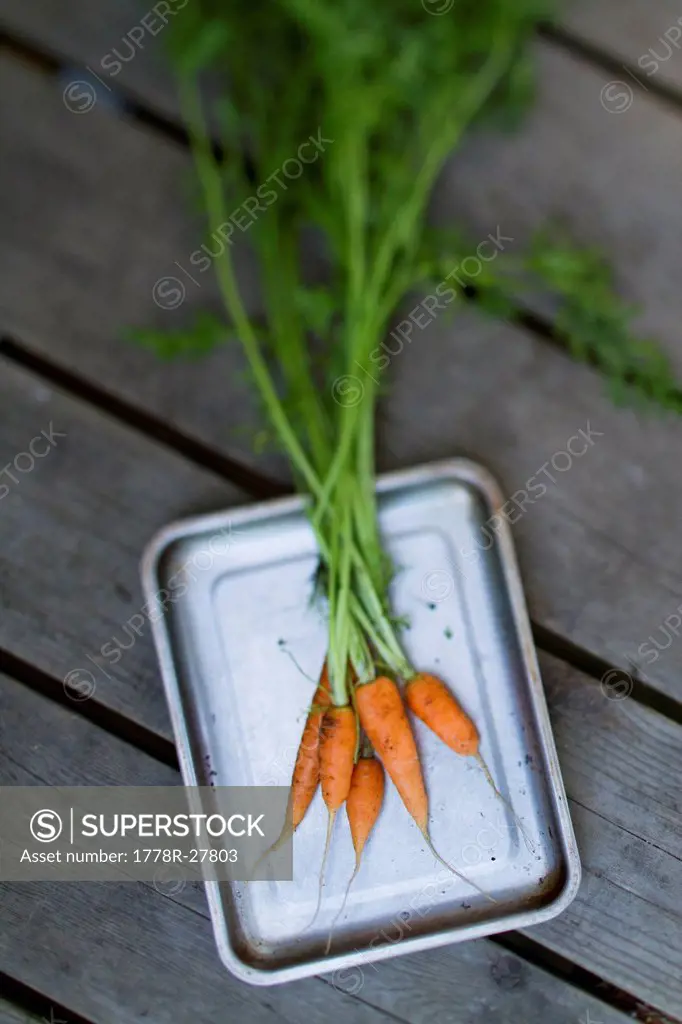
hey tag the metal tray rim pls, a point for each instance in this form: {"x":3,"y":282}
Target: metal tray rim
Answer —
{"x":461,"y":469}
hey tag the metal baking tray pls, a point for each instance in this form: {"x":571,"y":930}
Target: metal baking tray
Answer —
{"x":241,"y":644}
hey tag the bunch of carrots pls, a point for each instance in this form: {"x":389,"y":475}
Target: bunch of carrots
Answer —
{"x":345,"y":748}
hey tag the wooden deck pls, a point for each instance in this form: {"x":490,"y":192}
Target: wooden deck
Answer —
{"x":93,"y":212}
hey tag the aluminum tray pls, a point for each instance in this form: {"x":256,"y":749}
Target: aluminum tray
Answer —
{"x":240,"y":646}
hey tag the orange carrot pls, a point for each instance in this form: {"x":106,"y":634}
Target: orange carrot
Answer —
{"x":307,"y":768}
{"x":364,"y":801}
{"x":433,"y":702}
{"x":363,"y":804}
{"x":338,"y":739}
{"x":338,"y":736}
{"x":382,"y":716}
{"x":306,"y":775}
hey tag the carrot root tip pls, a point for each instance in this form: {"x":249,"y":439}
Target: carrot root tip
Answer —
{"x":286,"y":834}
{"x":455,"y":872}
{"x":530,"y":845}
{"x":330,"y":827}
{"x":342,"y":907}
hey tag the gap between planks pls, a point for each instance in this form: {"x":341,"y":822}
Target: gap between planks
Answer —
{"x":47,"y":62}
{"x":594,"y":55}
{"x":198,"y":452}
{"x":136,"y":105}
{"x":111,"y":721}
{"x":562,"y":968}
{"x":21,"y":1004}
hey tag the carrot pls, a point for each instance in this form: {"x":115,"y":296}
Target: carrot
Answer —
{"x":364,"y":801}
{"x":338,"y":736}
{"x":307,"y":768}
{"x":338,"y":741}
{"x":306,"y":775}
{"x":382,"y":716}
{"x":433,"y":702}
{"x":363,"y":804}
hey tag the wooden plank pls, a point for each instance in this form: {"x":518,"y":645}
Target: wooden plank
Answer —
{"x":88,"y":38}
{"x":616,"y":758}
{"x":608,"y":179}
{"x":577,"y":547}
{"x":624,"y":28}
{"x":642,"y":149}
{"x":635,"y":32}
{"x":74,"y":526}
{"x":141,"y":215}
{"x":10,"y":1014}
{"x":477,"y":982}
{"x":116,"y":922}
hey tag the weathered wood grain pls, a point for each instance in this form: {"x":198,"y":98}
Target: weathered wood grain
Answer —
{"x":621,"y":760}
{"x":477,"y":982}
{"x":618,"y":760}
{"x":617,"y":201}
{"x":73,"y":529}
{"x":515,"y":402}
{"x":146,"y":935}
{"x":630,"y":31}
